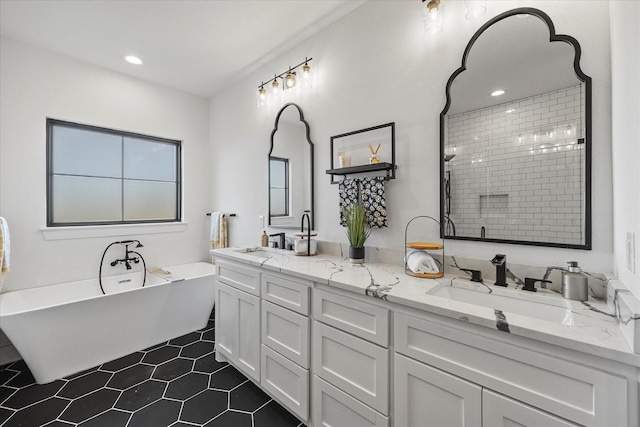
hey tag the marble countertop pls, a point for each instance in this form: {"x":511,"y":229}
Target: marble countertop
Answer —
{"x":592,"y":330}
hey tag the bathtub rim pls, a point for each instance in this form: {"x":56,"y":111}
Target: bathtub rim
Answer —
{"x":94,"y":281}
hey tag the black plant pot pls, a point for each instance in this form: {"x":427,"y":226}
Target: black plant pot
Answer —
{"x":356,"y":255}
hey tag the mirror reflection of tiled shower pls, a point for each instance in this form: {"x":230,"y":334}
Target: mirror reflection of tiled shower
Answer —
{"x":517,"y":172}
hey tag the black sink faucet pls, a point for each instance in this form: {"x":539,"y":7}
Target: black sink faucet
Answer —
{"x":282,"y":239}
{"x":500,"y":261}
{"x":530,"y":284}
{"x":476,"y":275}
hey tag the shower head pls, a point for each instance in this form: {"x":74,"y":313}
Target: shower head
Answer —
{"x":448,"y":157}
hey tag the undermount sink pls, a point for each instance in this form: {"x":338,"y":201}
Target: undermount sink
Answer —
{"x":541,"y":307}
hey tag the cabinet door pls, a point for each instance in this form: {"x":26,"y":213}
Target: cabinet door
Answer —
{"x":226,"y":320}
{"x":500,"y":411}
{"x":238,"y":329}
{"x":424,"y":393}
{"x":248,"y":324}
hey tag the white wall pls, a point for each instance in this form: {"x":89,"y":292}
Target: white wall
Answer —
{"x":36,"y":84}
{"x":625,"y":63}
{"x":375,"y":66}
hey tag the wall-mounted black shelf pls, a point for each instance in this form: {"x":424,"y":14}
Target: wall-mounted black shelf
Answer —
{"x":383,"y":166}
{"x":390,"y":168}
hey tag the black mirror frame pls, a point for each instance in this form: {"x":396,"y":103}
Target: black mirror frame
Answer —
{"x":312,"y":214}
{"x":553,"y":37}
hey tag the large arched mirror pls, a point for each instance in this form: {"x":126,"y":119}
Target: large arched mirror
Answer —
{"x":515,"y":137}
{"x":290,"y":169}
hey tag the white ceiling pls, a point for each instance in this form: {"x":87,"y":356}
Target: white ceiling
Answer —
{"x":195,"y":46}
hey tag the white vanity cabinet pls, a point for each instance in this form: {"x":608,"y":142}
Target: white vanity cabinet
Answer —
{"x":237,"y":317}
{"x":350,"y":361}
{"x":474,"y":379}
{"x":285,"y":341}
{"x":336,"y":358}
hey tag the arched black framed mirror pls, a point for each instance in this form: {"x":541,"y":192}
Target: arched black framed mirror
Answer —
{"x":291,"y":188}
{"x":516,"y":166}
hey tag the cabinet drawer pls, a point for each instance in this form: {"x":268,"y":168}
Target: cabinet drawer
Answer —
{"x":239,"y":276}
{"x":286,"y":332}
{"x":504,"y":412}
{"x":334,"y":408}
{"x":359,"y":318}
{"x":358,"y":367}
{"x":573,"y":391}
{"x":286,"y":381}
{"x":286,"y":293}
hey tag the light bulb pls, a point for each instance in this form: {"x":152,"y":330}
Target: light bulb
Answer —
{"x":261,"y":96}
{"x":289,"y":80}
{"x":306,"y":76}
{"x":432,"y":15}
{"x":275,"y":90}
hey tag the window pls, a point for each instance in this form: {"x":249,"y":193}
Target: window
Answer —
{"x":278,"y":186}
{"x":102,"y":176}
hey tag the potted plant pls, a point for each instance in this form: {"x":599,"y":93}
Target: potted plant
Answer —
{"x":357,"y":231}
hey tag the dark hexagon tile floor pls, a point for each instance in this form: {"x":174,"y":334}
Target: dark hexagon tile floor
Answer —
{"x":174,"y":384}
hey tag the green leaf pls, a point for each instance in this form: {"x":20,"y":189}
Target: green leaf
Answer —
{"x":356,"y":222}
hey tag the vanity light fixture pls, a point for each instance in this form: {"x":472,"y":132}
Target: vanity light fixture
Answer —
{"x":131,"y":59}
{"x":432,"y":16}
{"x":290,"y":79}
{"x":475,"y":9}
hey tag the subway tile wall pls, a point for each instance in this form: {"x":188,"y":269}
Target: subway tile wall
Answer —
{"x":519,"y":169}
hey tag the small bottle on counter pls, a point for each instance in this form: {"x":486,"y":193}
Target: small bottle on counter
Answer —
{"x":265,"y":239}
{"x":575,"y":283}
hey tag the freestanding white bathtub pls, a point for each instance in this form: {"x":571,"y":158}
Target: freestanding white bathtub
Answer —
{"x":63,"y":329}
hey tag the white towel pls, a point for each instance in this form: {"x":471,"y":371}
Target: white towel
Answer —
{"x":5,"y":252}
{"x":421,"y":262}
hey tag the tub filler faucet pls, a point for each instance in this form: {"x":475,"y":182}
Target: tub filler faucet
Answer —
{"x":127,"y":254}
{"x":129,"y":257}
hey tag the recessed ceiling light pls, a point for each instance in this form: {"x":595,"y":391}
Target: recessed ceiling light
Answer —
{"x":133,"y":60}
{"x":497,"y":93}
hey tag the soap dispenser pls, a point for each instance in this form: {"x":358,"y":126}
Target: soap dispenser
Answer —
{"x":265,"y":239}
{"x":574,"y":283}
